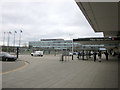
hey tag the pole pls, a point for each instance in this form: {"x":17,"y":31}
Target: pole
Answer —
{"x":20,"y":37}
{"x":72,"y":48}
{"x":8,"y":39}
{"x":4,"y":39}
{"x":72,"y":45}
{"x":83,"y":54}
{"x":14,"y":40}
{"x":17,"y":52}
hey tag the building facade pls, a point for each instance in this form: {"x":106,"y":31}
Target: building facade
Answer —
{"x":53,"y":44}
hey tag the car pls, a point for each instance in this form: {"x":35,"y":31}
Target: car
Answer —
{"x":37,"y":53}
{"x":70,"y":53}
{"x":75,"y":53}
{"x":4,"y":56}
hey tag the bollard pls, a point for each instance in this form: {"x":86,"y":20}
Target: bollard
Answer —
{"x":17,"y":52}
{"x":72,"y":57}
{"x":83,"y":55}
{"x":61,"y":58}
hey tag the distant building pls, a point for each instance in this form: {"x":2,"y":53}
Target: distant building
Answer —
{"x":53,"y":44}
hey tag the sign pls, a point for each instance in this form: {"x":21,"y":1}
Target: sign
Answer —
{"x":97,"y":39}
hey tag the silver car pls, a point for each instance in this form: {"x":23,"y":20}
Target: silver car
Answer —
{"x":4,"y":56}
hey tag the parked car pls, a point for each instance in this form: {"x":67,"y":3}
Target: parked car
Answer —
{"x":70,"y":53}
{"x":37,"y":53}
{"x":4,"y":56}
{"x":75,"y":53}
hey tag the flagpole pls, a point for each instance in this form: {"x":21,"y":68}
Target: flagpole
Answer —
{"x":14,"y":39}
{"x":20,"y":37}
{"x":8,"y":39}
{"x":4,"y":39}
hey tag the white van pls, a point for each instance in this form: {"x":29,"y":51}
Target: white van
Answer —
{"x":37,"y":53}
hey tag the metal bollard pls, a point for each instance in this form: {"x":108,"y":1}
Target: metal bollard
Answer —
{"x":17,"y":52}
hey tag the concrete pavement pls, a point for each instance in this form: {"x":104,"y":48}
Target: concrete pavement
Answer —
{"x":11,"y":65}
{"x":49,"y":72}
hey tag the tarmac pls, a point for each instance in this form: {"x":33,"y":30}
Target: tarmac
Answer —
{"x":11,"y":65}
{"x":49,"y":72}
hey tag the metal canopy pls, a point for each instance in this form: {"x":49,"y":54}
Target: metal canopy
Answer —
{"x":102,"y":16}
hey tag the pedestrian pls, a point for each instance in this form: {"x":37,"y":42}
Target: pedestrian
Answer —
{"x":94,"y":55}
{"x":99,"y":55}
{"x":106,"y":54}
{"x":83,"y":54}
{"x":78,"y":55}
{"x":89,"y":54}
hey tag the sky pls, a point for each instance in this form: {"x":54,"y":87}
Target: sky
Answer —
{"x":43,"y":19}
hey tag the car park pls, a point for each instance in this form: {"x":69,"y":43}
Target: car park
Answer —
{"x":4,"y":56}
{"x":37,"y":53}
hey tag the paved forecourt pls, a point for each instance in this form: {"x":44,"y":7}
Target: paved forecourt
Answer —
{"x":49,"y":72}
{"x":10,"y":66}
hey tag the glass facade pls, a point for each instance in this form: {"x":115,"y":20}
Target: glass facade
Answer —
{"x":53,"y":44}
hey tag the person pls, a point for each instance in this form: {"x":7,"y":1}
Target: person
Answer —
{"x":118,"y":54}
{"x":79,"y":55}
{"x":83,"y":54}
{"x":94,"y":56}
{"x":89,"y":54}
{"x":99,"y":55}
{"x":106,"y":54}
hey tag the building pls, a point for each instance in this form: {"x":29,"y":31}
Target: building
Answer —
{"x":103,"y":17}
{"x":53,"y":44}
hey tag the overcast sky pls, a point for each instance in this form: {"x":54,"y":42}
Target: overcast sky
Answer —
{"x":43,"y":19}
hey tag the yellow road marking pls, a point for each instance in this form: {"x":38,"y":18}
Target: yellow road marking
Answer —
{"x":15,"y":69}
{"x":8,"y":62}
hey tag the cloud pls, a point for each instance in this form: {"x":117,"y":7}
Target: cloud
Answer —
{"x":41,"y":19}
